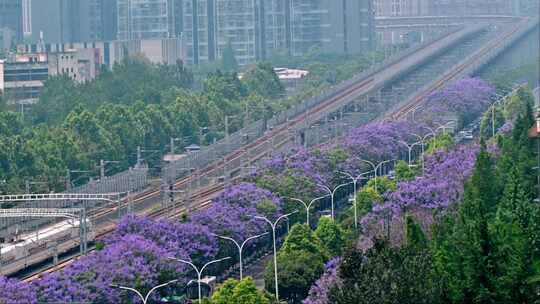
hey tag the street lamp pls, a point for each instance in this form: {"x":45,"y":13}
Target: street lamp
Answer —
{"x":423,"y":144}
{"x":332,"y":193}
{"x":199,"y":272}
{"x":493,"y":105}
{"x":307,"y":206}
{"x":144,"y":299}
{"x":240,"y":248}
{"x":444,"y":126}
{"x":273,"y":226}
{"x":374,"y":166}
{"x":355,"y":180}
{"x":410,"y":147}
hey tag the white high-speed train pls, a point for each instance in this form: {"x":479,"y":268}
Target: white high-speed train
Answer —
{"x":34,"y":247}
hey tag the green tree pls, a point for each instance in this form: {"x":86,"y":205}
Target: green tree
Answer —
{"x":404,"y":172}
{"x":300,"y":263}
{"x":486,"y":125}
{"x":443,"y":141}
{"x":301,"y":237}
{"x":262,"y":80}
{"x":239,"y":292}
{"x":464,"y":260}
{"x":331,"y":235}
{"x":228,"y":58}
{"x":297,"y":271}
{"x":368,"y":195}
{"x":518,"y":103}
{"x":385,"y":275}
{"x":2,"y":102}
{"x":57,"y":99}
{"x":415,"y":237}
{"x":516,"y":236}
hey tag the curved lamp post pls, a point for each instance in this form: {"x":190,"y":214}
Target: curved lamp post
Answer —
{"x":306,"y":205}
{"x":332,"y":193}
{"x":240,"y":247}
{"x":143,"y":298}
{"x":374,"y":166}
{"x":273,"y":226}
{"x":410,"y":148}
{"x":422,"y":140}
{"x":355,"y":180}
{"x":199,"y":272}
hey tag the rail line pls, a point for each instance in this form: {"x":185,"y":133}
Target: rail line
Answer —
{"x":203,"y":197}
{"x":421,"y":98}
{"x":206,"y":194}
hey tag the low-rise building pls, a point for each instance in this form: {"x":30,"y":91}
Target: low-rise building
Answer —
{"x":23,"y":75}
{"x":158,"y":51}
{"x":80,"y":65}
{"x":22,"y":79}
{"x":290,"y":78}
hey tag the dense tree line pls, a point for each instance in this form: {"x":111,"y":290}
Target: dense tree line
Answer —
{"x":301,"y":259}
{"x":305,"y":254}
{"x":484,"y":249}
{"x":74,"y":126}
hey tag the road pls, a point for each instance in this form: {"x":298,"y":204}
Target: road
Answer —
{"x":150,"y":201}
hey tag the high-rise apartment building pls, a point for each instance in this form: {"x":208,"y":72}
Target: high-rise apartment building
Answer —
{"x":236,"y":24}
{"x":26,"y":17}
{"x":339,"y":26}
{"x":199,"y":30}
{"x":11,"y":17}
{"x":473,"y":7}
{"x":273,"y":27}
{"x":144,"y":19}
{"x":95,"y":20}
{"x":52,"y":20}
{"x":258,"y":28}
{"x":61,"y":21}
{"x":402,"y":8}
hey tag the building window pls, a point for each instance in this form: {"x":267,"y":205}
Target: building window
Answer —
{"x":398,"y":6}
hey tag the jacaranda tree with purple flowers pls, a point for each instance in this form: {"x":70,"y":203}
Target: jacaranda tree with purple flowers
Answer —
{"x":466,"y":98}
{"x":131,"y":261}
{"x":13,"y":291}
{"x":180,"y":239}
{"x":439,"y":188}
{"x":231,"y":213}
{"x":318,"y":294}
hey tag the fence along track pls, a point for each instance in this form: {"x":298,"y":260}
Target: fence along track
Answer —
{"x":301,"y":114}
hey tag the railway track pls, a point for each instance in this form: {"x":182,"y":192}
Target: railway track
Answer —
{"x":254,"y":151}
{"x":204,"y":196}
{"x":419,"y":99}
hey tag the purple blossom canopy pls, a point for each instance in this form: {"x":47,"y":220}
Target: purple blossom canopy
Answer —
{"x":131,"y":261}
{"x":191,"y":239}
{"x":377,"y":142}
{"x":232,"y":212}
{"x":468,"y":96}
{"x":318,"y":294}
{"x":441,"y":186}
{"x":13,"y":291}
